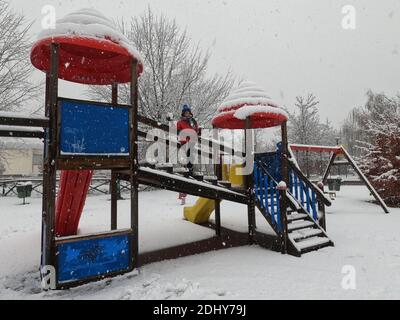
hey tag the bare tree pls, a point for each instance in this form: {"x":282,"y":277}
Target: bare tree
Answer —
{"x":175,"y":71}
{"x":305,"y":127}
{"x":16,"y":86}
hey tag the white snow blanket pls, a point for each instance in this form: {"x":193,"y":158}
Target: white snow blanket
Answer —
{"x":249,"y":99}
{"x":90,"y":23}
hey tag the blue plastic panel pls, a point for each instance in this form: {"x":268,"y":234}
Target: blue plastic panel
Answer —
{"x":86,"y":259}
{"x":91,"y":129}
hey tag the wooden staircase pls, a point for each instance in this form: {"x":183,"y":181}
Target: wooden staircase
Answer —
{"x":304,"y":233}
{"x":298,"y":224}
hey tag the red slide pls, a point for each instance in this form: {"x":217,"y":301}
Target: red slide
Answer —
{"x":74,"y":186}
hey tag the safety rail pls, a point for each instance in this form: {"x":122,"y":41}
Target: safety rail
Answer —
{"x":268,"y":195}
{"x":304,"y":191}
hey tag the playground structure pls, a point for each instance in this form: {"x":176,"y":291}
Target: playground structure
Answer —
{"x":83,"y":136}
{"x":336,"y":153}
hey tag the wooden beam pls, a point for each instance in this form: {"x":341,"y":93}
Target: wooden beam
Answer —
{"x":218,"y":173}
{"x":24,"y":122}
{"x":251,"y":211}
{"x":367,"y":183}
{"x":113,"y":183}
{"x":285,"y":176}
{"x":177,"y":183}
{"x":21,"y":134}
{"x":134,"y":102}
{"x":329,"y":167}
{"x":49,"y":171}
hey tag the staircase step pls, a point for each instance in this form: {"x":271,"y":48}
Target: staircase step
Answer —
{"x":225,"y":184}
{"x":297,"y":216}
{"x":198,"y":177}
{"x":305,"y":234}
{"x":165,"y":167}
{"x":313,"y":243}
{"x":181,"y":170}
{"x":300,"y":225}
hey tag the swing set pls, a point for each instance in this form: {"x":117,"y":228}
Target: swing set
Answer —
{"x":336,"y":152}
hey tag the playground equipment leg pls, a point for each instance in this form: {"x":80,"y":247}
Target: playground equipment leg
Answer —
{"x":114,"y":202}
{"x":114,"y":189}
{"x":217,"y":158}
{"x":285,"y":177}
{"x":251,"y":208}
{"x":49,"y":172}
{"x":218,"y":218}
{"x":134,"y":166}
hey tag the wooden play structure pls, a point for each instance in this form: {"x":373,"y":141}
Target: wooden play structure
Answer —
{"x":335,"y":154}
{"x":83,"y":136}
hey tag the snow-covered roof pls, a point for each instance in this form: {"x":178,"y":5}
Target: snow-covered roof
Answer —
{"x":246,"y":111}
{"x":90,"y":23}
{"x":248,"y":93}
{"x":249,"y":100}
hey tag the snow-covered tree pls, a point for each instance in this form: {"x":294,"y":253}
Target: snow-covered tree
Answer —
{"x":175,"y":71}
{"x":16,"y":86}
{"x":381,"y":160}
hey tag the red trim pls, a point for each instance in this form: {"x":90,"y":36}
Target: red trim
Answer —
{"x":304,"y":148}
{"x":86,"y":60}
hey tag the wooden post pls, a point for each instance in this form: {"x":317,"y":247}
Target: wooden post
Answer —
{"x":321,"y":206}
{"x":283,"y":208}
{"x":49,"y":163}
{"x":285,"y":178}
{"x":218,"y":173}
{"x":114,"y":201}
{"x":328,"y":168}
{"x":134,"y":100}
{"x":251,"y":208}
{"x":114,"y":191}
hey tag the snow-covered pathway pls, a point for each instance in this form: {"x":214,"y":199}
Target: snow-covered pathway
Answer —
{"x":365,"y":239}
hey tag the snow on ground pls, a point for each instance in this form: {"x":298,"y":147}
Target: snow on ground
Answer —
{"x":364,"y":236}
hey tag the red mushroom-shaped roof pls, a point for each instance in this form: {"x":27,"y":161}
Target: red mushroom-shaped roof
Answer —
{"x":248,"y":100}
{"x":92,"y":50}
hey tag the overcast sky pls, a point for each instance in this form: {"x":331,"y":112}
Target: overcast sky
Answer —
{"x":289,"y":47}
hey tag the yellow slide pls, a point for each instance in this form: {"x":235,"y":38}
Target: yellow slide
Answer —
{"x":202,"y":210}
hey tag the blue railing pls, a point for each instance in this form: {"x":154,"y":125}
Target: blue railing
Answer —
{"x":267,"y":195}
{"x":300,"y":188}
{"x":305,"y":195}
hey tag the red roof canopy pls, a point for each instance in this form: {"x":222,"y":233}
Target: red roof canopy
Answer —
{"x":249,"y":101}
{"x":227,"y":120}
{"x":86,"y":60}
